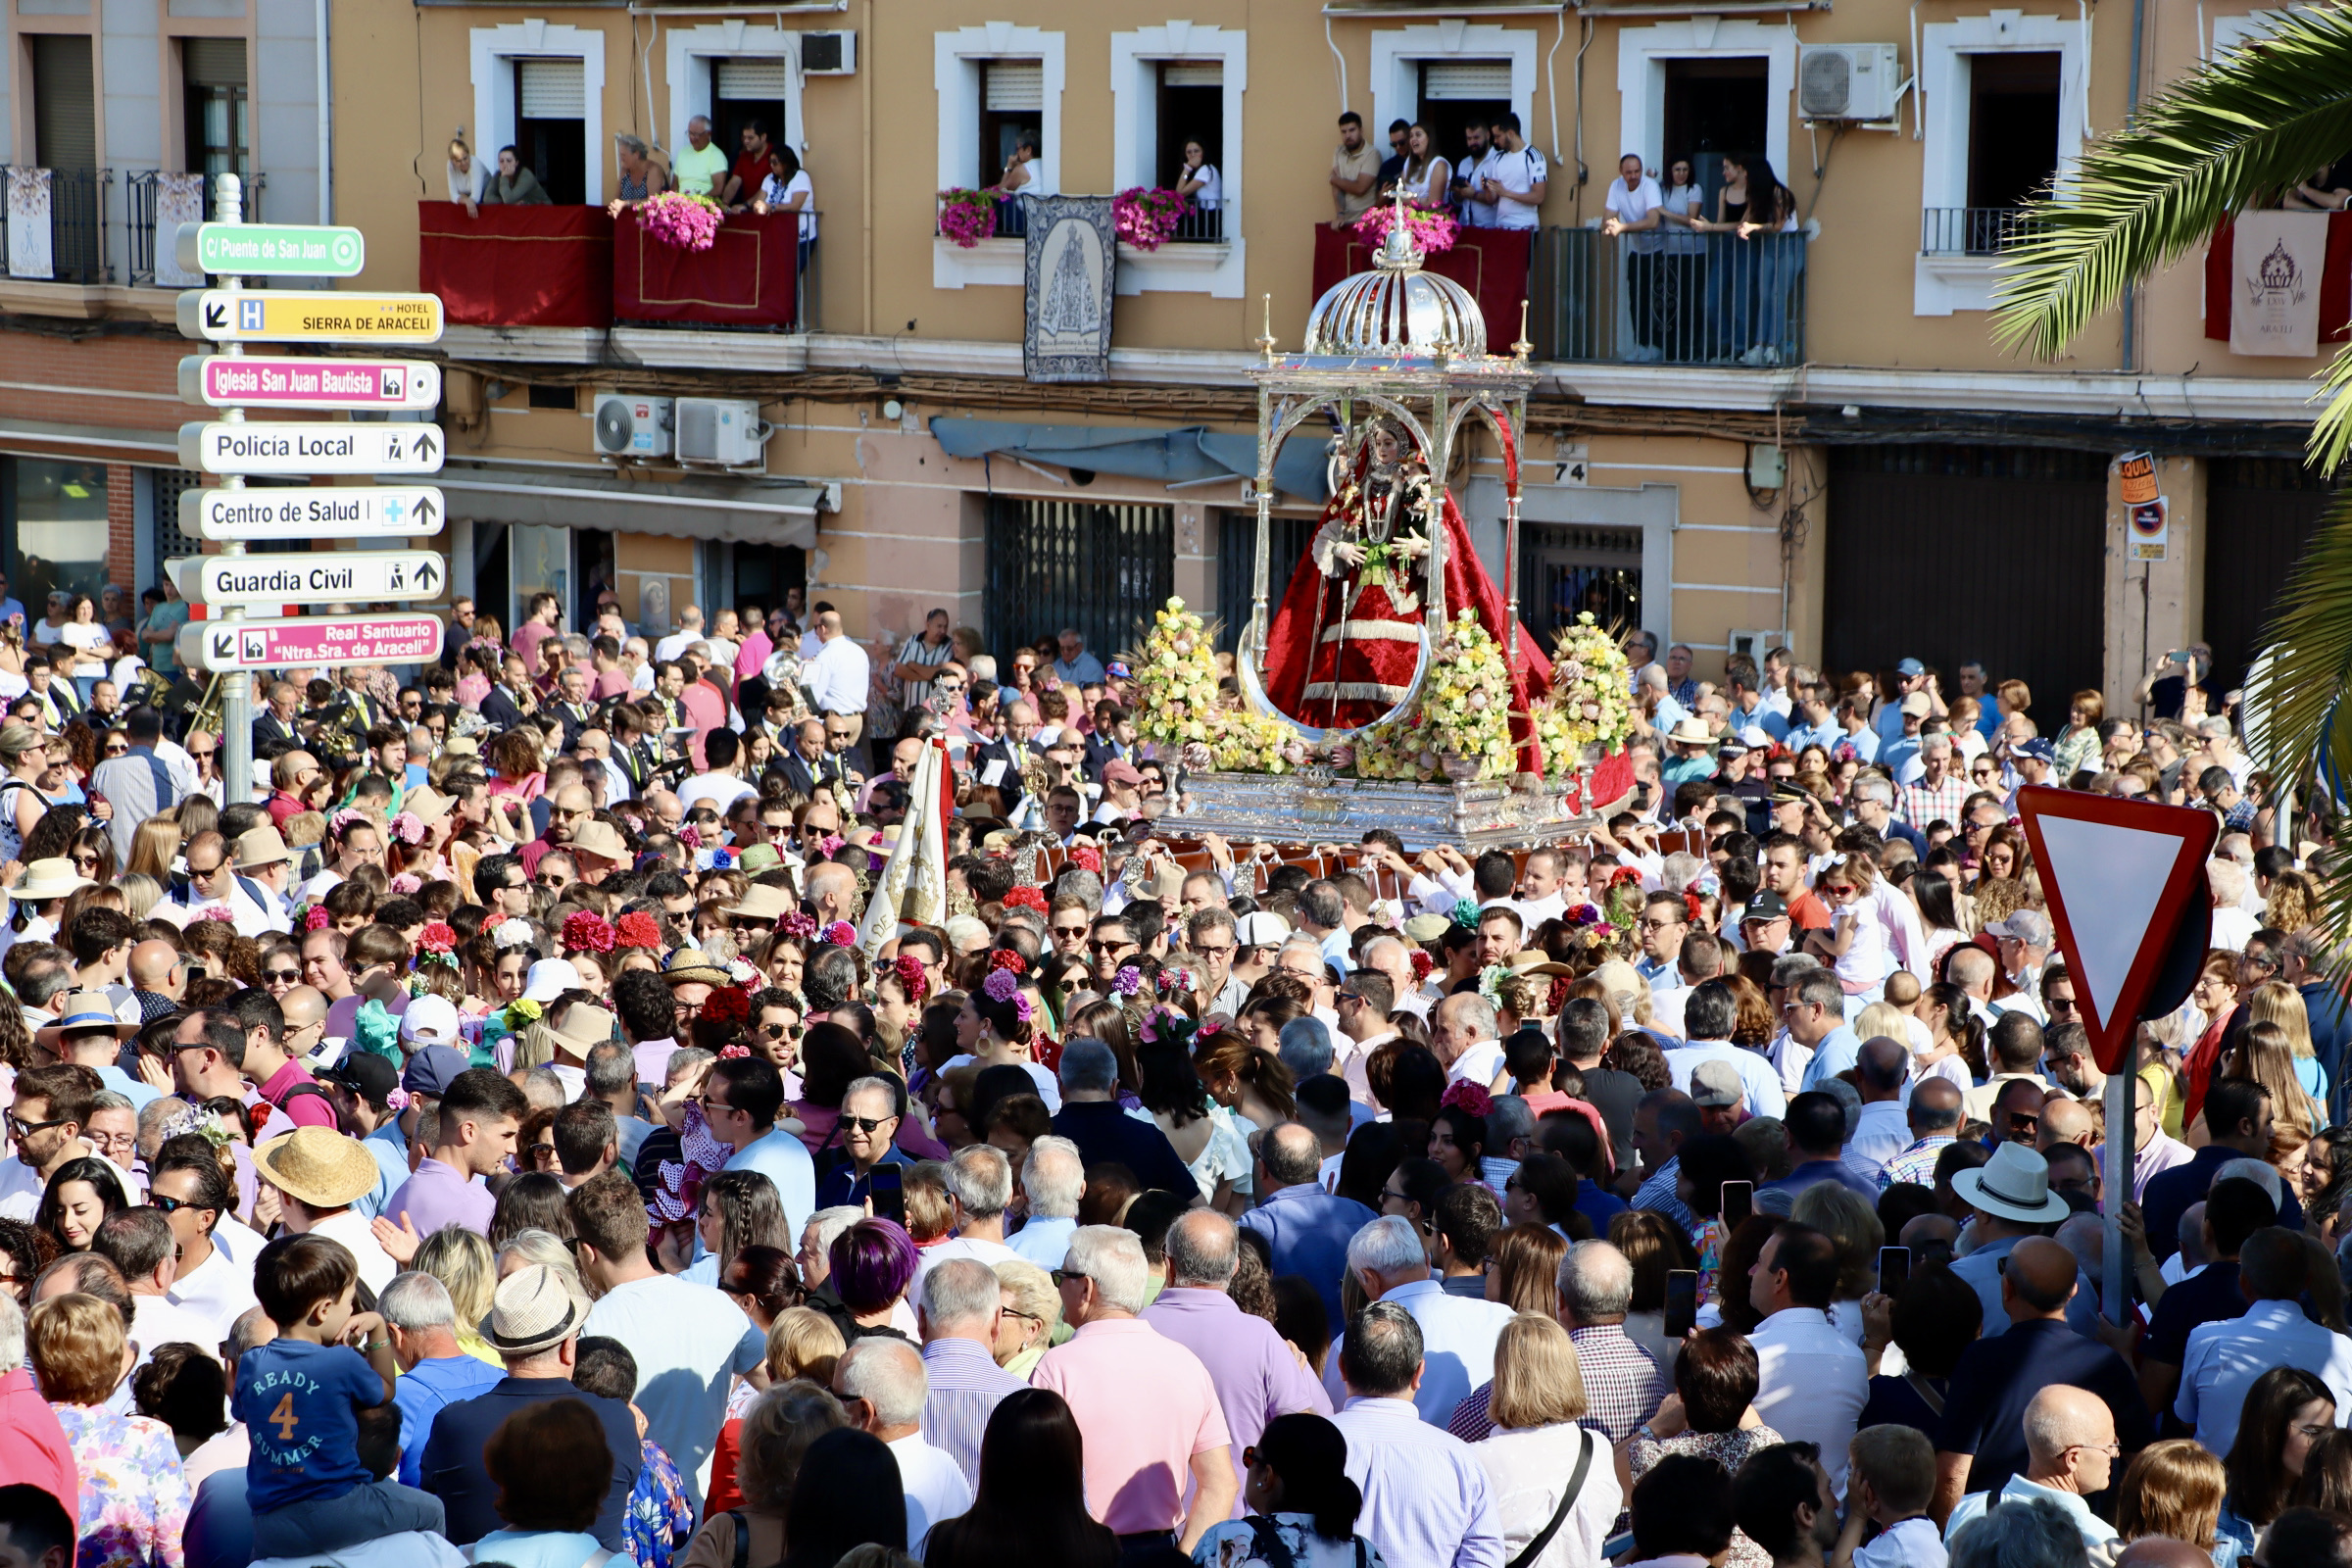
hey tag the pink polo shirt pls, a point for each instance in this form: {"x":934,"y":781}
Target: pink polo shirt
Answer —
{"x":1144,"y":1406}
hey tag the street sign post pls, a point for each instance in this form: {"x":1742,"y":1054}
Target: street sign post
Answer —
{"x":318,"y":513}
{"x":239,"y":382}
{"x":307,"y":315}
{"x":232,"y":644}
{"x":351,"y":576}
{"x":272,"y":250}
{"x":235,"y":447}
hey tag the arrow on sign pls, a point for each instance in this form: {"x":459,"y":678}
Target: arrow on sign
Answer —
{"x":224,"y":645}
{"x":426,"y":511}
{"x":2124,"y":879}
{"x":424,"y":445}
{"x":426,"y":576}
{"x":216,"y":314}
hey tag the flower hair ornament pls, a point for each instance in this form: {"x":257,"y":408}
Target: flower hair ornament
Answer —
{"x":733,"y":1053}
{"x":1423,"y":965}
{"x":1006,"y":958}
{"x":637,"y":929}
{"x":691,"y":836}
{"x":1087,"y":857}
{"x":512,"y":932}
{"x":1025,"y":899}
{"x":795,"y":924}
{"x":1127,"y":982}
{"x":840,"y":934}
{"x":743,"y":972}
{"x":524,"y":1011}
{"x":438,"y":936}
{"x":728,"y":1007}
{"x":347,"y":816}
{"x":376,"y":1031}
{"x":1464,"y":915}
{"x":408,"y":827}
{"x":407,"y":884}
{"x":586,"y":931}
{"x":909,"y":971}
{"x":829,"y":845}
{"x":219,"y":912}
{"x":1002,"y":985}
{"x":316,"y":919}
{"x":1469,"y":1097}
{"x":1490,"y":979}
{"x":1170,"y":1024}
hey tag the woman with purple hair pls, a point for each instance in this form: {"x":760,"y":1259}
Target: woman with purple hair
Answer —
{"x":872,"y":1264}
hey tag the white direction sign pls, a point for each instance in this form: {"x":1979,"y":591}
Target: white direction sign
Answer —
{"x":222,"y":447}
{"x":391,"y":639}
{"x":318,"y":513}
{"x":250,"y":380}
{"x":351,"y":576}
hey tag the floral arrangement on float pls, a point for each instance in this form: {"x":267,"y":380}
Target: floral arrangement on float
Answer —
{"x":681,"y":222}
{"x":967,"y":216}
{"x":1591,"y":686}
{"x":1146,"y":215}
{"x":1461,"y":727}
{"x":1177,"y":707}
{"x":1432,"y":229}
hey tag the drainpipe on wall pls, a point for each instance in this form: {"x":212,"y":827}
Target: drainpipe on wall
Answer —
{"x":326,"y":122}
{"x":2132,"y":294}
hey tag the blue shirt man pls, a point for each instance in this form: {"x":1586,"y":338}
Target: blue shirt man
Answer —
{"x":1307,"y":1228}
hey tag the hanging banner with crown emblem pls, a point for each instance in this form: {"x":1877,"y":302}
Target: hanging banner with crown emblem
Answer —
{"x":2274,"y":263}
{"x":1072,"y":255}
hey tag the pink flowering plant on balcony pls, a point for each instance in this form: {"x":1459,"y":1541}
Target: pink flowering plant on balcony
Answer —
{"x":1147,"y":216}
{"x":1432,"y":227}
{"x":967,"y":217}
{"x":681,"y":222}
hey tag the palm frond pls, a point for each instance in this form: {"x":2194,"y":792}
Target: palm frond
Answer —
{"x":2260,"y":120}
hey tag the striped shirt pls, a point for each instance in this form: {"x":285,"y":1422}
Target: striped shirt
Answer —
{"x":965,"y":1386}
{"x":915,"y":650}
{"x":1657,"y":1194}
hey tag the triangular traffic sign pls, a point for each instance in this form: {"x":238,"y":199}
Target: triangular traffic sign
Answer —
{"x":2119,"y":876}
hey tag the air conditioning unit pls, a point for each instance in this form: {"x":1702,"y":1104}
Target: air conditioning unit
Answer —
{"x":1847,"y":82}
{"x":828,"y":54}
{"x":631,"y":427}
{"x":725,"y":431}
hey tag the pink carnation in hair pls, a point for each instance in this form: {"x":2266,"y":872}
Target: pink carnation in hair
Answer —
{"x":840,"y":934}
{"x":1002,"y":985}
{"x":407,"y":884}
{"x":316,"y":919}
{"x":219,"y":912}
{"x":1468,"y":1096}
{"x":408,"y":827}
{"x":797,"y":924}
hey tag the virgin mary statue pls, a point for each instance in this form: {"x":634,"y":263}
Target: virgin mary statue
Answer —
{"x":1342,"y":647}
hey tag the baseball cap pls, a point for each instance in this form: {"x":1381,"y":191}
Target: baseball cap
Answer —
{"x":2039,"y":750}
{"x":1715,"y":1085}
{"x":364,"y":1074}
{"x":1917,"y":706}
{"x":2025,"y":925}
{"x":431,"y":1021}
{"x":1765,"y":906}
{"x":433,"y":1069}
{"x":1122,"y":772}
{"x":1261,"y":928}
{"x":1910,"y":668}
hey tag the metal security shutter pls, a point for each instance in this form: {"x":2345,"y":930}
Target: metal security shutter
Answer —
{"x":65,"y":112}
{"x":551,"y":89}
{"x":214,"y":62}
{"x":2260,"y":512}
{"x":1103,"y":569}
{"x":1928,"y":545}
{"x":1466,"y":78}
{"x":761,"y":80}
{"x":1013,"y":86}
{"x":1194,"y":73}
{"x":1237,"y":566}
{"x":170,"y":485}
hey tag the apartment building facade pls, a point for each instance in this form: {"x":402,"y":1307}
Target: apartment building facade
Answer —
{"x":1811,"y":439}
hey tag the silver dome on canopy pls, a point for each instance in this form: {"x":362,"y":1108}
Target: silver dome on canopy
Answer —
{"x":1397,"y":310}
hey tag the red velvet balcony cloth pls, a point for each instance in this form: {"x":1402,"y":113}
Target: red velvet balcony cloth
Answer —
{"x":2335,"y":281}
{"x":1490,"y":262}
{"x":518,"y":265}
{"x":746,"y":279}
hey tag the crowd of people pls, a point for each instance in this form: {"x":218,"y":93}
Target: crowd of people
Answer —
{"x":500,"y":1142}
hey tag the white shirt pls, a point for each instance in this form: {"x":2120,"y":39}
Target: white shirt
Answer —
{"x":1207,"y":198}
{"x":724,"y":788}
{"x":1477,"y":1063}
{"x":353,"y":1230}
{"x":218,"y":1291}
{"x":838,"y":675}
{"x":667,"y":649}
{"x":1044,"y":1240}
{"x":2096,"y":1532}
{"x":783,"y":1159}
{"x":1913,"y":1544}
{"x":1519,"y":172}
{"x":156,"y":1321}
{"x":1048,"y":1089}
{"x":1811,"y":1382}
{"x":980,"y":1250}
{"x":21,"y":1189}
{"x":2231,"y":928}
{"x":1457,"y":1348}
{"x":1765,"y":1096}
{"x":2226,"y":1357}
{"x":690,"y":1340}
{"x":935,"y":1486}
{"x":411,"y":1548}
{"x":1526,"y":1469}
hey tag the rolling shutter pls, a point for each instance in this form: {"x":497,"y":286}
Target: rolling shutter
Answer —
{"x":762,"y":80}
{"x":1484,"y":79}
{"x":64,"y":111}
{"x":551,"y":89}
{"x":214,"y":62}
{"x":1194,"y":73}
{"x":1015,"y":85}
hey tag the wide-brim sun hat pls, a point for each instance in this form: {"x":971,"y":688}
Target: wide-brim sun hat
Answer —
{"x":318,"y":1165}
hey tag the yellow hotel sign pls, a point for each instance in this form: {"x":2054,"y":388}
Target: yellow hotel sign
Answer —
{"x":306,"y":316}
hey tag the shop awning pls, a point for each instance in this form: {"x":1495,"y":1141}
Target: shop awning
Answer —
{"x":763,"y":512}
{"x":1173,"y":455}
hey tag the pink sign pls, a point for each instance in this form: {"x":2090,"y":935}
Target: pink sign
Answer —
{"x":352,"y":640}
{"x":225,"y":381}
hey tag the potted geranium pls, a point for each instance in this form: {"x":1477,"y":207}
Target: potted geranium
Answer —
{"x":681,"y":222}
{"x":1432,"y":229}
{"x":967,"y":217}
{"x":1147,"y":216}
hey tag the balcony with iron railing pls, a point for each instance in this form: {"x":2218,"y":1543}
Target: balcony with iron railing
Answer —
{"x":147,"y":201}
{"x":1974,"y":231}
{"x":1194,"y":225}
{"x":1677,"y":298}
{"x":70,"y":245}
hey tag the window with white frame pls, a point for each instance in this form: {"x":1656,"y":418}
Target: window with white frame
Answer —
{"x":1175,"y":88}
{"x":1013,"y":99}
{"x":735,"y":74}
{"x":542,"y":82}
{"x":995,"y":85}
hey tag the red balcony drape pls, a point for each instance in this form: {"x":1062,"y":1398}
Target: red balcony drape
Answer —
{"x":2335,"y":281}
{"x":746,"y":279}
{"x":539,"y":266}
{"x":1490,"y":262}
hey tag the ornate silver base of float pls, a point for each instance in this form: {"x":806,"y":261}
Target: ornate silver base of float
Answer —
{"x":1316,"y":806}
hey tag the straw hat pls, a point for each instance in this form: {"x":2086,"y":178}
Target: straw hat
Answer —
{"x":602,"y":840}
{"x":260,"y":846}
{"x":1689,"y":732}
{"x":687,"y":967}
{"x":428,"y":804}
{"x":763,"y":902}
{"x":52,"y":878}
{"x":584,"y":1028}
{"x":1534,"y":960}
{"x":83,"y":1013}
{"x":535,"y":1310}
{"x":318,"y":1165}
{"x":2012,"y":1185}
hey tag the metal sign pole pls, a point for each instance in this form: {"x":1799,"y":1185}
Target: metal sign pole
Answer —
{"x":2122,"y":1092}
{"x":236,"y":702}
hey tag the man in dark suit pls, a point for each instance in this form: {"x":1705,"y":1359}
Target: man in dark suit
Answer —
{"x":1112,"y":741}
{"x":278,"y":721}
{"x":535,"y":1321}
{"x":998,"y":763}
{"x":808,"y":766}
{"x":511,"y":700}
{"x":461,"y":632}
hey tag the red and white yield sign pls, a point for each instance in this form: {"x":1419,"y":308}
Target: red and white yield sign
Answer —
{"x":2125,"y":884}
{"x":395,"y":639}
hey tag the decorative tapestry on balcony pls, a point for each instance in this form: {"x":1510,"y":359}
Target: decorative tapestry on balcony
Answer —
{"x":1070,"y":267}
{"x":28,"y":240}
{"x":178,"y":201}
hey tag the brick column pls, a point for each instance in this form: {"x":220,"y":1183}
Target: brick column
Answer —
{"x":121,"y":528}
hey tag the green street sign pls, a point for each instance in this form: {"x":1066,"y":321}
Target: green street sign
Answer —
{"x":272,"y":250}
